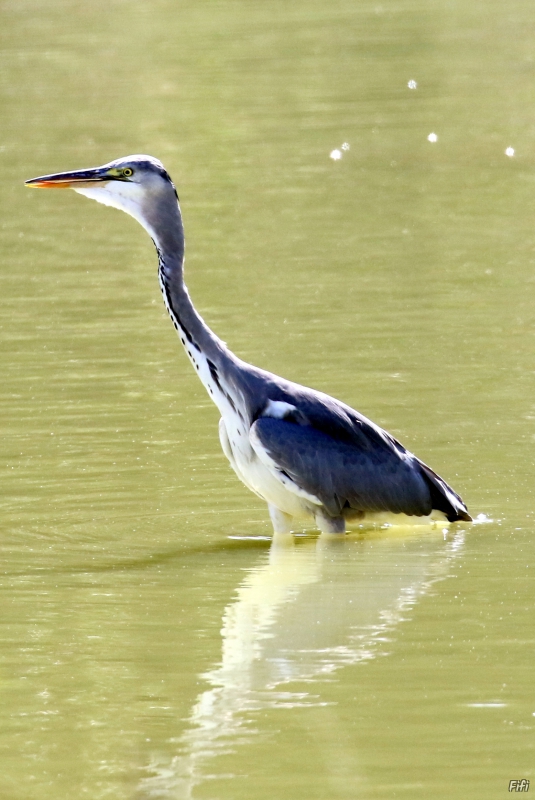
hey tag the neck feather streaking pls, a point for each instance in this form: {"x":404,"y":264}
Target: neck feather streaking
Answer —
{"x":202,"y":347}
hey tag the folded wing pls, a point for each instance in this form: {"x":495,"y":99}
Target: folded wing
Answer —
{"x":371,"y":472}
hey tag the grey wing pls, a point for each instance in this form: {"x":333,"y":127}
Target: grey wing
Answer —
{"x":371,"y":476}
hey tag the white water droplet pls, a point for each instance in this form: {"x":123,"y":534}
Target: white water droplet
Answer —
{"x":510,"y":151}
{"x":336,"y":155}
{"x":432,"y":137}
{"x":345,"y":146}
{"x":412,"y":85}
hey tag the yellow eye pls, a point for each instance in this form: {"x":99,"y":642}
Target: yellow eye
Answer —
{"x":127,"y":172}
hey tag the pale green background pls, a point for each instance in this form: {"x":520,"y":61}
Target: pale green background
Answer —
{"x":151,"y":644}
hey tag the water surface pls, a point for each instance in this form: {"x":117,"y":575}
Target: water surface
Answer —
{"x":156,"y":643}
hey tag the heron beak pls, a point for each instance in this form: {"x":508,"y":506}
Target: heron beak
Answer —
{"x":72,"y":180}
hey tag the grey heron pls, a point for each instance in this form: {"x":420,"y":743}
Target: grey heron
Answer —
{"x":308,"y":455}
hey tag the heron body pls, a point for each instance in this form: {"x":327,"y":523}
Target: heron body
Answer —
{"x":306,"y":454}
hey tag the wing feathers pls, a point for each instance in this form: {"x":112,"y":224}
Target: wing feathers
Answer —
{"x":443,"y":497}
{"x":373,"y":477}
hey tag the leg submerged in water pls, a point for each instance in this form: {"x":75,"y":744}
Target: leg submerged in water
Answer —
{"x":328,"y":524}
{"x":282,"y":522}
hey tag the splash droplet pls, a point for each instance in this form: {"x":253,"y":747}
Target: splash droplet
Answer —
{"x":432,"y":137}
{"x":412,"y":85}
{"x":336,"y":155}
{"x":510,"y":151}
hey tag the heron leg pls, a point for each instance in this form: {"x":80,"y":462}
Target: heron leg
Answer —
{"x":328,"y":524}
{"x":282,"y":522}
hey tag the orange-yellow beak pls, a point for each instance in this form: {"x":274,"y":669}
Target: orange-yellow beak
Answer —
{"x":72,"y":180}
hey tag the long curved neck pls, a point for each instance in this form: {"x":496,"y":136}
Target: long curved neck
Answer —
{"x":215,"y":364}
{"x":167,"y":232}
{"x":193,"y":330}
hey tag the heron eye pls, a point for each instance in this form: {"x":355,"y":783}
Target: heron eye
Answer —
{"x":127,"y":172}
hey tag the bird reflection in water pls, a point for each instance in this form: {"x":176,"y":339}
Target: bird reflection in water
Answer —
{"x":312,"y":607}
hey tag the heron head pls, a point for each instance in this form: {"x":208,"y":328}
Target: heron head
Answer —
{"x":138,"y":185}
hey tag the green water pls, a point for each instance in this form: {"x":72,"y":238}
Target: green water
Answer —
{"x":155,"y":643}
